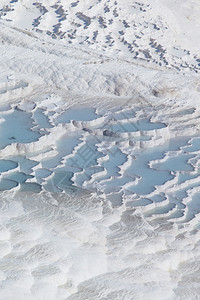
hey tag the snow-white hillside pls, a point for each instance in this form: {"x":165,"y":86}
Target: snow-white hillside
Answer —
{"x":99,"y":150}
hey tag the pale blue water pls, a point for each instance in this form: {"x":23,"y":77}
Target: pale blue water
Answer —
{"x":6,"y":184}
{"x":158,"y":198}
{"x":6,"y":165}
{"x":60,"y":181}
{"x":176,"y":163}
{"x":25,"y":164}
{"x":149,"y":177}
{"x":65,"y":147}
{"x":18,"y":177}
{"x":77,"y":114}
{"x":116,"y":158}
{"x":183,"y":177}
{"x":17,"y":129}
{"x":41,"y":119}
{"x":177,"y":143}
{"x":195,"y":145}
{"x":141,"y":125}
{"x":161,"y":210}
{"x":123,"y":127}
{"x":30,"y":187}
{"x":140,"y":202}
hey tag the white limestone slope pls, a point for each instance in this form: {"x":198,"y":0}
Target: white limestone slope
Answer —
{"x":99,"y":150}
{"x":163,"y":32}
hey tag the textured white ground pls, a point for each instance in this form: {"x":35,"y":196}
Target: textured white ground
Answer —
{"x":99,"y":150}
